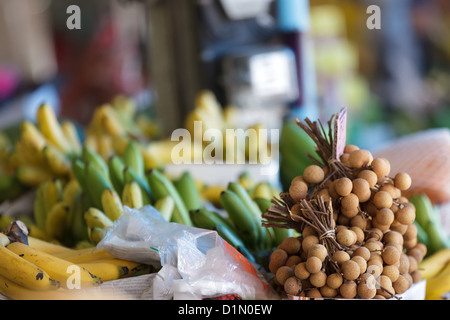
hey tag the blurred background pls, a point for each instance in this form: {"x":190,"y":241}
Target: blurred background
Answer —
{"x":269,"y":59}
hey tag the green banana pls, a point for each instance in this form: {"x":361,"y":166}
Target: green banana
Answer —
{"x":78,"y":169}
{"x":112,"y":204}
{"x":90,"y":156}
{"x":48,"y":194}
{"x":165,"y":206}
{"x":246,"y":180}
{"x":253,"y":208}
{"x":206,"y":219}
{"x":116,"y":173}
{"x":188,"y":191}
{"x":422,"y":236}
{"x":76,"y":224}
{"x":161,"y":186}
{"x":57,"y":220}
{"x":97,"y":218}
{"x":232,"y":238}
{"x":280,"y":234}
{"x":96,"y":183}
{"x":56,"y":160}
{"x":246,"y":226}
{"x":132,"y":195}
{"x":263,"y":203}
{"x":424,"y":209}
{"x":133,"y":159}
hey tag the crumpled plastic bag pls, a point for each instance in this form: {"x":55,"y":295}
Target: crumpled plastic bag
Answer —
{"x":196,"y":263}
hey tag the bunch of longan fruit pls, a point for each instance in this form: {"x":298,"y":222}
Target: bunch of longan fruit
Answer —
{"x":378,"y":252}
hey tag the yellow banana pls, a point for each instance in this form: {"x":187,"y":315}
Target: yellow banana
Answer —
{"x":432,"y":265}
{"x":56,"y":160}
{"x":112,"y":204}
{"x":23,"y":272}
{"x":36,"y":232}
{"x":438,"y":285}
{"x":212,"y":194}
{"x":96,"y":218}
{"x":84,"y":255}
{"x":113,"y":269}
{"x":50,"y":127}
{"x":47,"y":246}
{"x":262,"y":190}
{"x":58,"y":269}
{"x":105,"y":146}
{"x":70,"y":191}
{"x":165,"y":206}
{"x":96,"y":234}
{"x":132,"y":195}
{"x":70,"y":132}
{"x":110,"y":122}
{"x":56,"y":220}
{"x":32,"y":176}
{"x":32,"y":137}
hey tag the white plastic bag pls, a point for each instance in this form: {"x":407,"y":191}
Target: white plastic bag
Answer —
{"x":206,"y":266}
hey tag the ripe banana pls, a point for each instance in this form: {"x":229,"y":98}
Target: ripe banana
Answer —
{"x":23,"y":272}
{"x":96,"y":234}
{"x":165,"y":206}
{"x":262,"y":190}
{"x":132,"y":195}
{"x":50,"y":127}
{"x":96,"y":218}
{"x":246,"y":226}
{"x":57,"y":161}
{"x":46,"y":246}
{"x":110,"y":121}
{"x":130,"y":175}
{"x":187,"y":188}
{"x":32,"y":137}
{"x":161,"y":186}
{"x":70,"y":191}
{"x":58,"y":269}
{"x":113,"y":269}
{"x":116,"y":173}
{"x":71,"y":134}
{"x":32,"y":176}
{"x":437,"y":286}
{"x":84,"y":255}
{"x":112,"y":204}
{"x":212,"y":193}
{"x":434,"y":263}
{"x":57,"y":220}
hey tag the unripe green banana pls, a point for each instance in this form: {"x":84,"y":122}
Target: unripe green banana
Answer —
{"x":93,"y":158}
{"x":232,"y":238}
{"x":112,"y":204}
{"x":130,"y":175}
{"x":96,"y":183}
{"x":207,"y":219}
{"x":56,"y":160}
{"x":187,"y":188}
{"x":246,"y":226}
{"x":116,"y":173}
{"x":161,"y":186}
{"x":133,"y":159}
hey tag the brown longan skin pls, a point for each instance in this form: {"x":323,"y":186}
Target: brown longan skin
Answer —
{"x":313,"y":174}
{"x":298,"y":190}
{"x":360,"y":158}
{"x":283,"y":273}
{"x":309,"y":241}
{"x":291,"y":245}
{"x":277,"y":259}
{"x":382,"y":199}
{"x":362,"y":189}
{"x":318,"y":250}
{"x":301,"y":272}
{"x":318,"y":279}
{"x":365,"y":291}
{"x":350,"y":270}
{"x":343,"y":186}
{"x":340,"y":256}
{"x":402,"y":181}
{"x":369,"y":176}
{"x":406,"y":215}
{"x":380,"y":167}
{"x":401,"y":284}
{"x":335,"y":280}
{"x":348,"y":289}
{"x":292,"y":286}
{"x":313,"y":264}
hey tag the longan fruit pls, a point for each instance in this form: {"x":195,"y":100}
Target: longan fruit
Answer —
{"x":318,"y":250}
{"x":350,"y":270}
{"x":362,"y":252}
{"x":392,"y":190}
{"x":381,"y":167}
{"x":382,"y":199}
{"x":416,"y":276}
{"x":331,"y":190}
{"x":360,"y":158}
{"x":348,"y":289}
{"x":374,"y":245}
{"x":374,"y":269}
{"x":325,"y":194}
{"x":370,"y":208}
{"x":309,"y":241}
{"x":422,"y":248}
{"x":292,"y":286}
{"x":340,"y":256}
{"x":301,"y":272}
{"x":343,"y":186}
{"x":385,"y":283}
{"x":291,"y":245}
{"x":298,"y":190}
{"x":398,"y":227}
{"x":375,"y":260}
{"x":293,"y":260}
{"x":411,"y":232}
{"x":402,"y":181}
{"x":313,"y":293}
{"x":350,"y":201}
{"x":335,"y":280}
{"x":313,"y":265}
{"x":366,"y":291}
{"x":413,"y":264}
{"x":379,"y":297}
{"x":359,"y":234}
{"x":382,"y":227}
{"x":283,"y":273}
{"x":403,"y":263}
{"x":277,"y":259}
{"x":359,"y":221}
{"x":384,"y":216}
{"x":406,"y":214}
{"x":396,"y":245}
{"x":361,"y":189}
{"x":346,"y":237}
{"x":393,"y":236}
{"x":391,"y":271}
{"x":362,"y":263}
{"x":328,"y":292}
{"x":401,"y":284}
{"x":349,"y":148}
{"x":313,"y":174}
{"x":345,"y":159}
{"x":308,"y":231}
{"x":369,"y":176}
{"x":349,"y":213}
{"x":318,"y":279}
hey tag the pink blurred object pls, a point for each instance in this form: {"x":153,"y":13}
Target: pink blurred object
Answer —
{"x":9,"y":81}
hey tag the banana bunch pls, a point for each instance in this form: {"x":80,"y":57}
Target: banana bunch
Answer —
{"x":429,"y":228}
{"x":44,"y":149}
{"x":436,"y":270}
{"x":10,"y":186}
{"x":294,"y":146}
{"x":44,"y":270}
